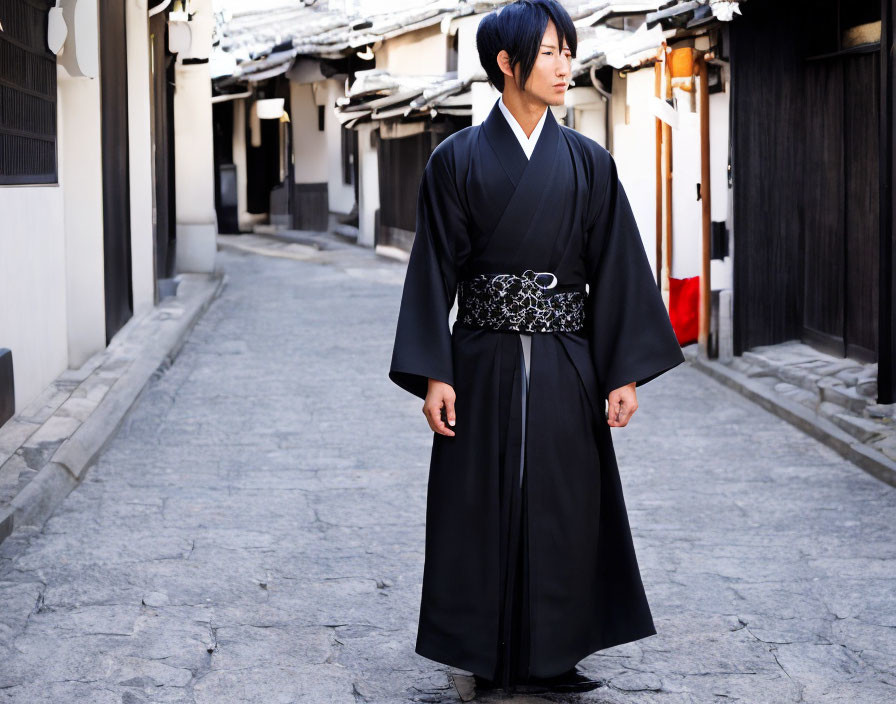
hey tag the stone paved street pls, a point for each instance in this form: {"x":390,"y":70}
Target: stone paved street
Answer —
{"x":254,"y":533}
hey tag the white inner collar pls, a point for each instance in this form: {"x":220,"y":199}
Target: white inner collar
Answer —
{"x":527,"y":143}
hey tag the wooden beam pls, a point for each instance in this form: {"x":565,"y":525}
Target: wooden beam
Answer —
{"x":706,"y":203}
{"x":667,"y":167}
{"x":658,"y":82}
{"x":886,"y":367}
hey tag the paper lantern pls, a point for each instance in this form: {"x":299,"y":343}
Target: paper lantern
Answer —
{"x":80,"y":52}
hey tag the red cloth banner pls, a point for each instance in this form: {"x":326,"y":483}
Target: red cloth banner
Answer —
{"x":684,"y":301}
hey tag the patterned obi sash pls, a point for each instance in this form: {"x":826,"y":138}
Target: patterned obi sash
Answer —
{"x":522,"y":303}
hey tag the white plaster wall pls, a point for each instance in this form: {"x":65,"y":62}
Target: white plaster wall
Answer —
{"x":32,"y":286}
{"x":422,"y":51}
{"x":194,"y":169}
{"x":80,"y":156}
{"x":634,"y":150}
{"x":687,"y":211}
{"x":51,"y":252}
{"x":687,"y":215}
{"x":369,"y":186}
{"x":239,"y":161}
{"x":590,"y":111}
{"x":634,"y":144}
{"x":341,"y":195}
{"x":309,"y":143}
{"x":245,"y":219}
{"x":591,"y":120}
{"x":483,"y":98}
{"x":140,"y":156}
{"x":721,"y":272}
{"x":467,"y":56}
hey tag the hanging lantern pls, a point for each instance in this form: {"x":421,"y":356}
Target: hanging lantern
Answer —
{"x":57,"y":30}
{"x":74,"y":23}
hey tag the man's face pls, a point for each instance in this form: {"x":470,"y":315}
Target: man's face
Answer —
{"x":550,"y":74}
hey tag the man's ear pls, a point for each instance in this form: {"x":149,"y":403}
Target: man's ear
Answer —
{"x":504,"y":63}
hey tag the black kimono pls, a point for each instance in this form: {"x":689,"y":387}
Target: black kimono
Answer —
{"x":527,"y":572}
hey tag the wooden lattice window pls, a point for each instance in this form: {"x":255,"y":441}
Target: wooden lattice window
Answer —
{"x":27,"y":94}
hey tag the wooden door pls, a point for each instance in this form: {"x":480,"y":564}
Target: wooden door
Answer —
{"x":116,"y":181}
{"x":861,"y":149}
{"x":162,"y":114}
{"x":840,"y":206}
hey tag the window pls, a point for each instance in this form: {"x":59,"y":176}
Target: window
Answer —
{"x":27,"y":94}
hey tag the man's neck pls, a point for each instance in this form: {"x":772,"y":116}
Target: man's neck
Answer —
{"x":525,"y":109}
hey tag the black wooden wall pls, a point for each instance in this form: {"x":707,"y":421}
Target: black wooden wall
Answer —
{"x":263,"y":162}
{"x":27,"y":94}
{"x":400,"y":164}
{"x":805,"y":167}
{"x":162,"y":91}
{"x":116,"y":180}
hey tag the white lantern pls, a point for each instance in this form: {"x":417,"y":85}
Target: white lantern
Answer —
{"x":57,"y":30}
{"x":80,"y":53}
{"x":180,"y":34}
{"x":270,"y":108}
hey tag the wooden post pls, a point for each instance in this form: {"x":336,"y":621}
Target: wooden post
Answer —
{"x":886,"y":357}
{"x":658,"y":83}
{"x":706,"y":202}
{"x":667,"y":167}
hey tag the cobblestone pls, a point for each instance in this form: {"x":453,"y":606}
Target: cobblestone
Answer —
{"x":254,"y":533}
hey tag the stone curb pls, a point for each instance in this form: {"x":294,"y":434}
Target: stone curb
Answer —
{"x":867,"y":458}
{"x":40,"y":497}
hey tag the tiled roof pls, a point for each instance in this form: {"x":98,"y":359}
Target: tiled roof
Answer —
{"x":266,"y":42}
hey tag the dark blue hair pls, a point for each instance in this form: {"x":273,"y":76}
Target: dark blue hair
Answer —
{"x":518,"y":29}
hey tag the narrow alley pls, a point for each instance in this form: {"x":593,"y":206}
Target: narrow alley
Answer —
{"x":254,"y":533}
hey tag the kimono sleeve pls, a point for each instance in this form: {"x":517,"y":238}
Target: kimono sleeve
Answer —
{"x":422,"y":348}
{"x":631,"y":336}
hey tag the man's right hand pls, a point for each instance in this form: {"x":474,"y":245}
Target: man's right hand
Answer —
{"x":439,"y":395}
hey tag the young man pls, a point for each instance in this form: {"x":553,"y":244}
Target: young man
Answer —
{"x":529,"y":563}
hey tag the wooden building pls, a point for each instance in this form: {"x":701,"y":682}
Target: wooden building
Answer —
{"x":87,"y":191}
{"x":763,"y":173}
{"x":340,"y":77}
{"x":813,"y":254}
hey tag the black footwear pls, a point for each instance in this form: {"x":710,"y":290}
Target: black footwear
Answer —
{"x":483,"y":683}
{"x":570,"y":681}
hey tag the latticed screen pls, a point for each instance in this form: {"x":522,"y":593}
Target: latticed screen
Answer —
{"x":27,"y":94}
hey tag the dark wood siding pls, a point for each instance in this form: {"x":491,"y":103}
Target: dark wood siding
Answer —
{"x":401,"y":163}
{"x":162,"y":91}
{"x":821,"y":195}
{"x":862,"y":109}
{"x":226,"y":197}
{"x":805,"y":166}
{"x":116,"y":180}
{"x":262,"y":166}
{"x":765,"y":110}
{"x":27,"y":94}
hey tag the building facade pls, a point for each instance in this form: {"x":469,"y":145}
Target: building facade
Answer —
{"x":91,"y":235}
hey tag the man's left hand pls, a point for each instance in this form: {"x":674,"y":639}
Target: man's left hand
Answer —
{"x":623,"y":402}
